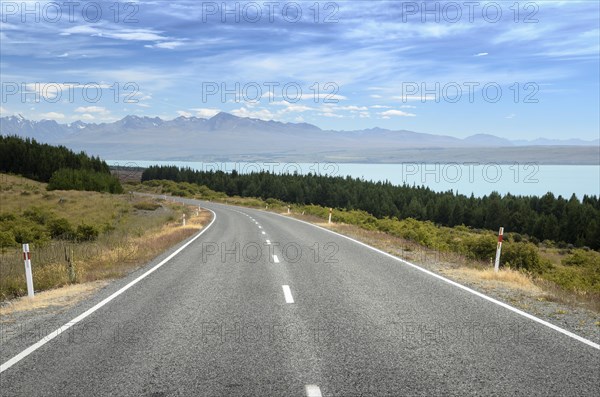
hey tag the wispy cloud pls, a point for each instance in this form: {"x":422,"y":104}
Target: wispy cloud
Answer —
{"x":396,"y":113}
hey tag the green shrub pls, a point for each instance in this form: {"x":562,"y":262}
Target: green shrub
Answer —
{"x":575,"y":278}
{"x":87,"y":232}
{"x":7,"y":217}
{"x":583,"y":258}
{"x":60,"y":228}
{"x":146,"y":206}
{"x":38,"y":215}
{"x":523,"y":256}
{"x":482,"y":247}
{"x":7,"y":239}
{"x":27,"y":234}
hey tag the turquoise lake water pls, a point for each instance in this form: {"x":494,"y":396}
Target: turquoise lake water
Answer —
{"x":464,"y":178}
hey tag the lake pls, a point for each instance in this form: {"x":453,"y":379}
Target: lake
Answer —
{"x":464,"y":178}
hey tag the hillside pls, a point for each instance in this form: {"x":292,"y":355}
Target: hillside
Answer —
{"x":105,"y":235}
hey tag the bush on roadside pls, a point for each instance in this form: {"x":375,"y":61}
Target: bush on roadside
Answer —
{"x":87,"y":232}
{"x":7,"y":240}
{"x":60,"y":228}
{"x":146,"y":206}
{"x":523,"y":256}
{"x":38,"y":215}
{"x":583,"y":258}
{"x":27,"y":234}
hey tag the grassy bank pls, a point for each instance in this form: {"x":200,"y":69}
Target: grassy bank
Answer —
{"x":78,"y":237}
{"x":569,"y":274}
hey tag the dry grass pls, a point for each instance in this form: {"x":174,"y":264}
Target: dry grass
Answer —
{"x":130,"y":239}
{"x":113,"y":262}
{"x":489,"y":278}
{"x":136,"y":251}
{"x":59,"y":297}
{"x":18,"y":194}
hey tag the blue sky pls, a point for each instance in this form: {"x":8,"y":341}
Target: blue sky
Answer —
{"x":390,"y":64}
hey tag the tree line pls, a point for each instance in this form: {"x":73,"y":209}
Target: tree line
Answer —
{"x":62,"y":167}
{"x":571,"y":221}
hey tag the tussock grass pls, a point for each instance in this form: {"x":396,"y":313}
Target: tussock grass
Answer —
{"x":58,"y":297}
{"x":505,"y":276}
{"x":128,"y":238}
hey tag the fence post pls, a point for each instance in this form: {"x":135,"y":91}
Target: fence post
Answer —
{"x":498,"y":249}
{"x":28,"y":275}
{"x":330,"y":211}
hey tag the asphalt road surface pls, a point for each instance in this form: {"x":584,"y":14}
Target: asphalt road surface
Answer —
{"x":263,"y":305}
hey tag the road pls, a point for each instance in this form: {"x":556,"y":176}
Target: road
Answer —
{"x":264,"y":305}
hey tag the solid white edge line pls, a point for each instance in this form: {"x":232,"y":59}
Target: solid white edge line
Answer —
{"x":287,"y":293}
{"x":275,"y":259}
{"x":313,"y":391}
{"x":454,"y":283}
{"x":94,"y":308}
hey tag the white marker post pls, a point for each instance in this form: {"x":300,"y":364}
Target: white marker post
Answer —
{"x":183,"y":219}
{"x":330,"y":211}
{"x":28,"y":275}
{"x":498,"y":249}
{"x":288,"y":209}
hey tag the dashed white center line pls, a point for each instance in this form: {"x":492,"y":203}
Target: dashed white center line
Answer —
{"x":275,"y":259}
{"x":260,"y":227}
{"x":288,"y":294}
{"x":268,"y":242}
{"x":313,"y":391}
{"x":264,"y":233}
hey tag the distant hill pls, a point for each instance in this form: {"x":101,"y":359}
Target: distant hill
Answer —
{"x":225,"y":137}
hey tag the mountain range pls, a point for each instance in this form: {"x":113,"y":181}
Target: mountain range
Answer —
{"x":225,"y":137}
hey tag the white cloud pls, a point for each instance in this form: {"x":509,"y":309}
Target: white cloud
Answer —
{"x":87,"y":117}
{"x":380,"y":107}
{"x":330,"y":114}
{"x":119,"y":34}
{"x":206,"y":112}
{"x":376,"y":96}
{"x":52,"y":116}
{"x":3,"y":110}
{"x":262,"y":114}
{"x":481,"y":54}
{"x":290,"y":107}
{"x":353,"y":108}
{"x":510,"y":116}
{"x":169,"y":45}
{"x":91,"y":109}
{"x":184,"y":113}
{"x":396,"y":113}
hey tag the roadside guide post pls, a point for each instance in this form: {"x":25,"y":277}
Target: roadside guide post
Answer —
{"x":498,"y":249}
{"x":28,"y":275}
